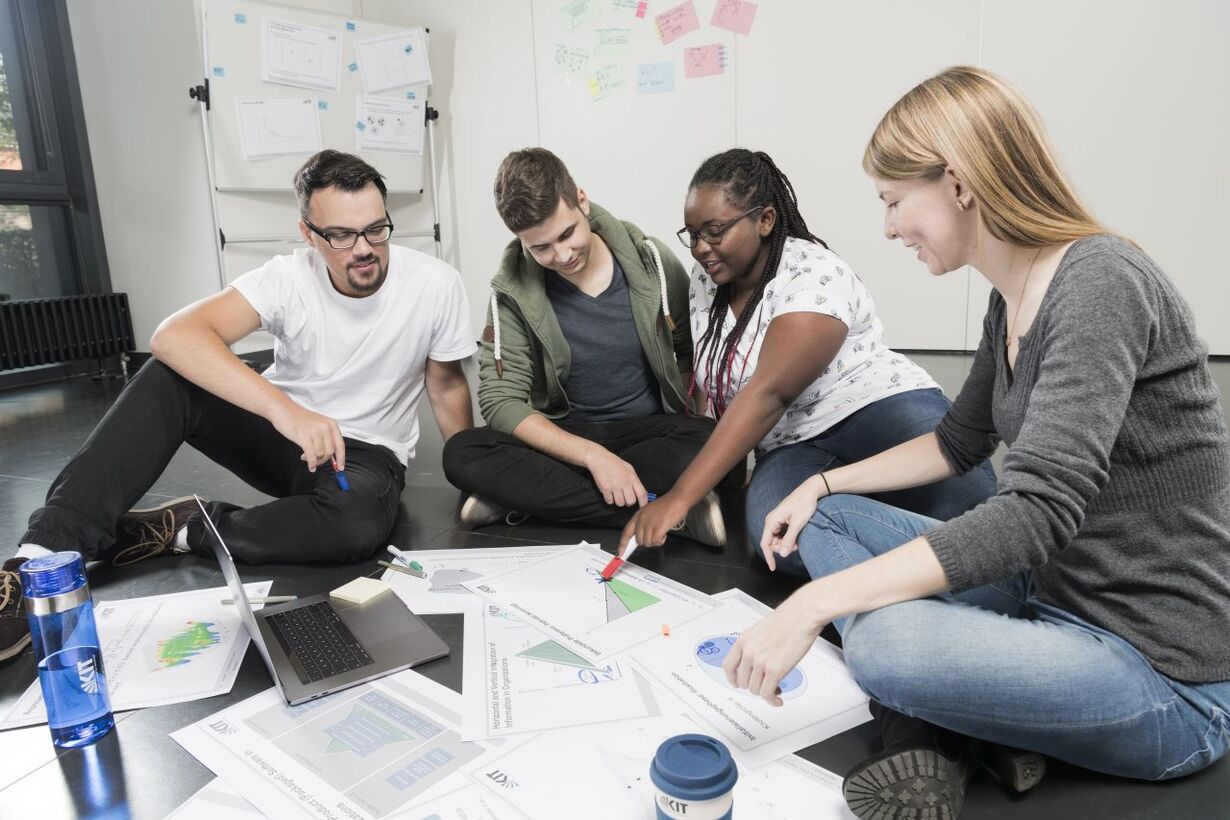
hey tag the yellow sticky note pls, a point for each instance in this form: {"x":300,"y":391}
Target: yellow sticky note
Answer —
{"x":360,"y":590}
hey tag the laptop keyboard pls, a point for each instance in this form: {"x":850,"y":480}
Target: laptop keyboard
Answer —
{"x":317,"y":638}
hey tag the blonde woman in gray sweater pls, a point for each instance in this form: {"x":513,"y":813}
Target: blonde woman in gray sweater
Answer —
{"x":1082,"y":611}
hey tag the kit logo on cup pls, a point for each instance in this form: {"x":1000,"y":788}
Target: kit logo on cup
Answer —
{"x":87,"y":673}
{"x":673,"y":804}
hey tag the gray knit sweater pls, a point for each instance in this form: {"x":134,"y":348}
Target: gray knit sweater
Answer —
{"x":1116,"y":486}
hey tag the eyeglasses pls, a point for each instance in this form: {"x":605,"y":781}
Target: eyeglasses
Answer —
{"x":345,"y":240}
{"x":711,"y":234}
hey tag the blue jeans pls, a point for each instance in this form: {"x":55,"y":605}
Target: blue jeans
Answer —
{"x":870,"y":430}
{"x":997,"y":663}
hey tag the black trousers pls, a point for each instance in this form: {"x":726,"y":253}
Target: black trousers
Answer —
{"x":504,"y":470}
{"x":312,"y":520}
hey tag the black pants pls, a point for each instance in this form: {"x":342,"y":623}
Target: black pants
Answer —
{"x":504,"y":470}
{"x":312,"y":520}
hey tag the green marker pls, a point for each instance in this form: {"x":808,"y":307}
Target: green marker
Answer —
{"x":416,"y":565}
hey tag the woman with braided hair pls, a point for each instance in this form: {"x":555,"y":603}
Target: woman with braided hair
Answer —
{"x":789,"y":357}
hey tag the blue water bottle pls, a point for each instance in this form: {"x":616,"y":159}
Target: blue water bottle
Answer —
{"x":65,"y":638}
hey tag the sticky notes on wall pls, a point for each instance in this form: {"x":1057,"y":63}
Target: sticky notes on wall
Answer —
{"x":655,"y":78}
{"x":578,"y":12}
{"x":569,"y":61}
{"x":676,"y":22}
{"x":734,"y":15}
{"x":704,"y":61}
{"x":606,"y":80}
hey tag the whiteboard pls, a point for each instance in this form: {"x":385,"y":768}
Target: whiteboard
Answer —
{"x":233,"y":65}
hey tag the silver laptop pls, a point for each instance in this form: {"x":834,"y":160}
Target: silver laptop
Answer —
{"x":315,"y":646}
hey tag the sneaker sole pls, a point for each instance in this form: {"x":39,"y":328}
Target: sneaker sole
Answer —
{"x":713,"y":529}
{"x":16,"y":648}
{"x":917,"y":783}
{"x":466,"y":513}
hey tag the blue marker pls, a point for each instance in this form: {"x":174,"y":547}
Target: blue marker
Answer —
{"x":340,"y":475}
{"x":651,"y":496}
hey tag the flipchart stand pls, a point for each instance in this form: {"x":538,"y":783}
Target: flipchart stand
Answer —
{"x":200,"y":93}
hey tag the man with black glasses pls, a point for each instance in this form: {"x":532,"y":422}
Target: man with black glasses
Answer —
{"x":361,"y":327}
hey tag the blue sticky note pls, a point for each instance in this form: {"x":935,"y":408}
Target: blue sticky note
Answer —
{"x":655,"y":78}
{"x":360,"y":125}
{"x":349,"y":26}
{"x":410,"y":95}
{"x":353,"y":66}
{"x":241,"y":18}
{"x":323,"y":105}
{"x":219,"y":71}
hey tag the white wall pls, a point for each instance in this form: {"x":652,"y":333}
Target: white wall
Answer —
{"x":1131,"y":91}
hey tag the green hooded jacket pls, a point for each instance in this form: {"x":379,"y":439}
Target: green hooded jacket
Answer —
{"x":524,"y":361}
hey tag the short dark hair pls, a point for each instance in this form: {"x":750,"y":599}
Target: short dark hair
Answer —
{"x":330,"y":168}
{"x":528,"y":187}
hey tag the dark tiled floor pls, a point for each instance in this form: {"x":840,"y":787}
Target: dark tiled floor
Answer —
{"x":141,"y":767}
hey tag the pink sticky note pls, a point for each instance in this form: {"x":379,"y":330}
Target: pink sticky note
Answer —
{"x":641,"y":8}
{"x":676,"y":22}
{"x":704,"y":61}
{"x":734,"y":15}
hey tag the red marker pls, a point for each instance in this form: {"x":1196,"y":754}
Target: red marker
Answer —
{"x":612,"y":567}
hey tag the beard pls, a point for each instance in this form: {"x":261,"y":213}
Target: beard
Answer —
{"x":362,"y":285}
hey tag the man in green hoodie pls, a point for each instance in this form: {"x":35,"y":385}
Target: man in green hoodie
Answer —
{"x":583,"y":373}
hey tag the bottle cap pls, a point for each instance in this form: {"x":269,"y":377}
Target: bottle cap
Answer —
{"x":52,"y":574}
{"x":693,"y":767}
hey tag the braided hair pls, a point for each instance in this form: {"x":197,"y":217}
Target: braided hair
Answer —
{"x":749,"y":179}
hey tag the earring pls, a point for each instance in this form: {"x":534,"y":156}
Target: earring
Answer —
{"x":961,"y":206}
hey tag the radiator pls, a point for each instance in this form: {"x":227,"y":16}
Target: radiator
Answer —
{"x":49,"y":331}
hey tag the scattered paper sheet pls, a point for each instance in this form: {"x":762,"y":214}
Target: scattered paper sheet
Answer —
{"x":470,"y":802}
{"x":365,"y":752}
{"x":278,"y":126}
{"x":442,"y":591}
{"x":393,"y":60}
{"x":655,"y":78}
{"x":388,"y":124}
{"x":160,"y":649}
{"x":593,"y":619}
{"x":704,"y":61}
{"x":821,"y":697}
{"x":295,"y":54}
{"x":529,"y":682}
{"x":214,"y":800}
{"x":676,"y":22}
{"x":734,"y":15}
{"x":608,"y":775}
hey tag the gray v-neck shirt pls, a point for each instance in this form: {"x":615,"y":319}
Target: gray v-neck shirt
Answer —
{"x":609,"y":378}
{"x":1116,"y":486}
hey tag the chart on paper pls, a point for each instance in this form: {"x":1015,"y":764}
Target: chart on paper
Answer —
{"x":448,"y":570}
{"x":565,"y":597}
{"x":528,"y":684}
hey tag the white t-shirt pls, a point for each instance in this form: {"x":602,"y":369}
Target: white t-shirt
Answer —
{"x":361,"y":361}
{"x":813,"y":280}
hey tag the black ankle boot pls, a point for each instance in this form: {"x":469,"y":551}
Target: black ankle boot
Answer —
{"x":1015,"y":769}
{"x":922,"y":772}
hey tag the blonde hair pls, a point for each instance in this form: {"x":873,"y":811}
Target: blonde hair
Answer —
{"x":985,"y":130}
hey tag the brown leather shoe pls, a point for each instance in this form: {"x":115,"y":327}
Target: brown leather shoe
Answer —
{"x":14,"y":628}
{"x":151,"y":532}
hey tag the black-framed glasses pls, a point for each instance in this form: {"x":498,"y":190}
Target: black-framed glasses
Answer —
{"x":345,"y":240}
{"x":712,"y":234}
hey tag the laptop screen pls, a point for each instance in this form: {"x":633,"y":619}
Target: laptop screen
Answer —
{"x":233,"y":581}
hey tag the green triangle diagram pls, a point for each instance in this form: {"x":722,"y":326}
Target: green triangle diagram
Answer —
{"x":551,"y":652}
{"x":623,"y":599}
